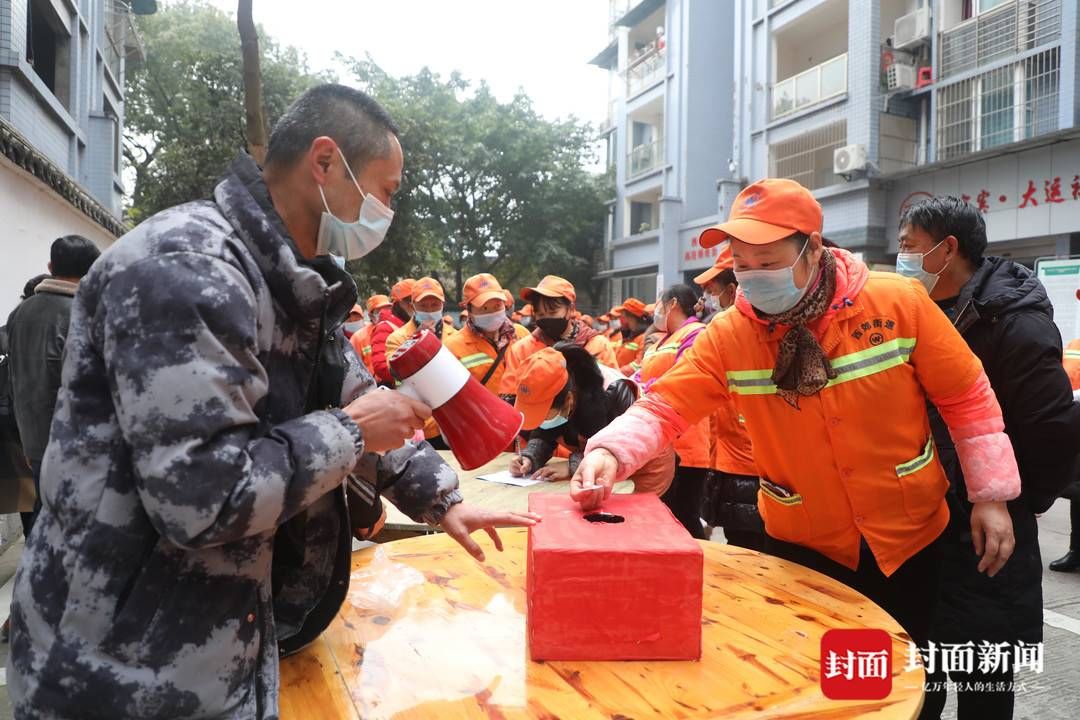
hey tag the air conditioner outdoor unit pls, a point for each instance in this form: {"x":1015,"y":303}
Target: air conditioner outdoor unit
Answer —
{"x":911,"y":29}
{"x":902,"y":77}
{"x":849,"y":159}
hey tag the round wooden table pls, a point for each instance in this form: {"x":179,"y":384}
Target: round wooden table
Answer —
{"x":455,"y":647}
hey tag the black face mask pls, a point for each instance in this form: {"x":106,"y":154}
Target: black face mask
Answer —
{"x":400,"y":313}
{"x":553,"y":327}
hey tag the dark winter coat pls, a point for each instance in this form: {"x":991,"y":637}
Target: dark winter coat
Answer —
{"x":194,"y":511}
{"x":1004,"y":315}
{"x":37,"y":331}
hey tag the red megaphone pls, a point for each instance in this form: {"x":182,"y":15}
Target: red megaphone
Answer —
{"x":477,"y":425}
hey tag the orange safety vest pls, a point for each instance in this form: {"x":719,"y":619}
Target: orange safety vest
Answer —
{"x":857,"y":458}
{"x":694,"y":446}
{"x":1071,"y":362}
{"x":598,"y":346}
{"x":629,"y":353}
{"x":361,"y":342}
{"x":477,"y":353}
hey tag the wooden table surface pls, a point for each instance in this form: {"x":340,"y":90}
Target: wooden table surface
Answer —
{"x":493,"y":496}
{"x":455,"y":647}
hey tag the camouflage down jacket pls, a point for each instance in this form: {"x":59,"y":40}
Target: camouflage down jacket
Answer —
{"x":195,"y":510}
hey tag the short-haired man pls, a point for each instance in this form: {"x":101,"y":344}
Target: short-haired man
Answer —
{"x":1003,"y":313}
{"x":210,"y":416}
{"x":37,"y":332}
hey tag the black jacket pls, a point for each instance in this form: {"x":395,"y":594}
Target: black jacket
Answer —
{"x":593,"y":413}
{"x":37,"y":331}
{"x":1005,"y":317}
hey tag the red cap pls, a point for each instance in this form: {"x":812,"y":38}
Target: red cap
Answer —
{"x":551,"y":286}
{"x":767,"y":211}
{"x":402,"y":290}
{"x":541,"y":377}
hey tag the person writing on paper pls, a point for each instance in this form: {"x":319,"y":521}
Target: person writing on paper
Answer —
{"x":565,"y":395}
{"x":831,"y":366}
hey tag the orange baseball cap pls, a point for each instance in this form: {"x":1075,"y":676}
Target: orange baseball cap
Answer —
{"x":767,"y":211}
{"x":650,"y":308}
{"x":427,"y":287}
{"x":604,"y":318}
{"x":357,"y":309}
{"x":527,"y":311}
{"x":551,"y":286}
{"x":377,"y":301}
{"x":402,"y":290}
{"x":634,"y":307}
{"x":541,"y":377}
{"x":509,"y":298}
{"x":724,"y":261}
{"x":481,"y":288}
{"x":616,"y":310}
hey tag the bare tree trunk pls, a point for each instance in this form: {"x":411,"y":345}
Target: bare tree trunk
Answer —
{"x":253,"y":107}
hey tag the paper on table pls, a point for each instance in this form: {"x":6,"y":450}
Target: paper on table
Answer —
{"x":505,"y":478}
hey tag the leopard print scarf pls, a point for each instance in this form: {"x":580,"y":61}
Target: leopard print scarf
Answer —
{"x":801,"y":365}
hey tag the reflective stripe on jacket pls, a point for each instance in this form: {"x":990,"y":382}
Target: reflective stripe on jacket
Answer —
{"x":857,"y":458}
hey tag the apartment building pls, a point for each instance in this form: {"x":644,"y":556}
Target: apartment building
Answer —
{"x":62,"y":66}
{"x":668,"y":138}
{"x":872,"y":104}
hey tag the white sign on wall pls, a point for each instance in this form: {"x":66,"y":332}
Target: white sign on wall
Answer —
{"x":1062,"y":279}
{"x":1027,"y":194}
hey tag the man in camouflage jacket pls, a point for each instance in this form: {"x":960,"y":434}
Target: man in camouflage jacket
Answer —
{"x":195,"y":516}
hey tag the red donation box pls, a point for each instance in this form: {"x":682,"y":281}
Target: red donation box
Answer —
{"x":624,"y":583}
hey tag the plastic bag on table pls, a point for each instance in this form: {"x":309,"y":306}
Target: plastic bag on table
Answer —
{"x":381,"y":587}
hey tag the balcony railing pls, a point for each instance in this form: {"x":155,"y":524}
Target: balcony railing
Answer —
{"x":810,"y":87}
{"x":645,"y":157}
{"x":646,"y":69}
{"x":1007,"y":30}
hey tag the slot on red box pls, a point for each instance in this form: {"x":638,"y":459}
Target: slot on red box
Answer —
{"x":608,"y":589}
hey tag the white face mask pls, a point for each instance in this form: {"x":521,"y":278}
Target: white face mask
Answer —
{"x":352,"y":327}
{"x":660,"y":318}
{"x":350,"y":241}
{"x":489,"y":322}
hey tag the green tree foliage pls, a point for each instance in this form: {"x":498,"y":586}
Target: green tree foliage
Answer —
{"x":184,"y":107}
{"x":489,"y":186}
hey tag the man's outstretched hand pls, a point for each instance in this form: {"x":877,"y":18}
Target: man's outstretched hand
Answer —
{"x":462,"y":520}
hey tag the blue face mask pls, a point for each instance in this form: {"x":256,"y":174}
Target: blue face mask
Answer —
{"x":911,"y":265}
{"x":773,"y":291}
{"x":430,"y":317}
{"x":557,"y":421}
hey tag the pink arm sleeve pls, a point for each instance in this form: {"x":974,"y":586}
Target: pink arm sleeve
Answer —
{"x":639,"y":434}
{"x":984,"y":450}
